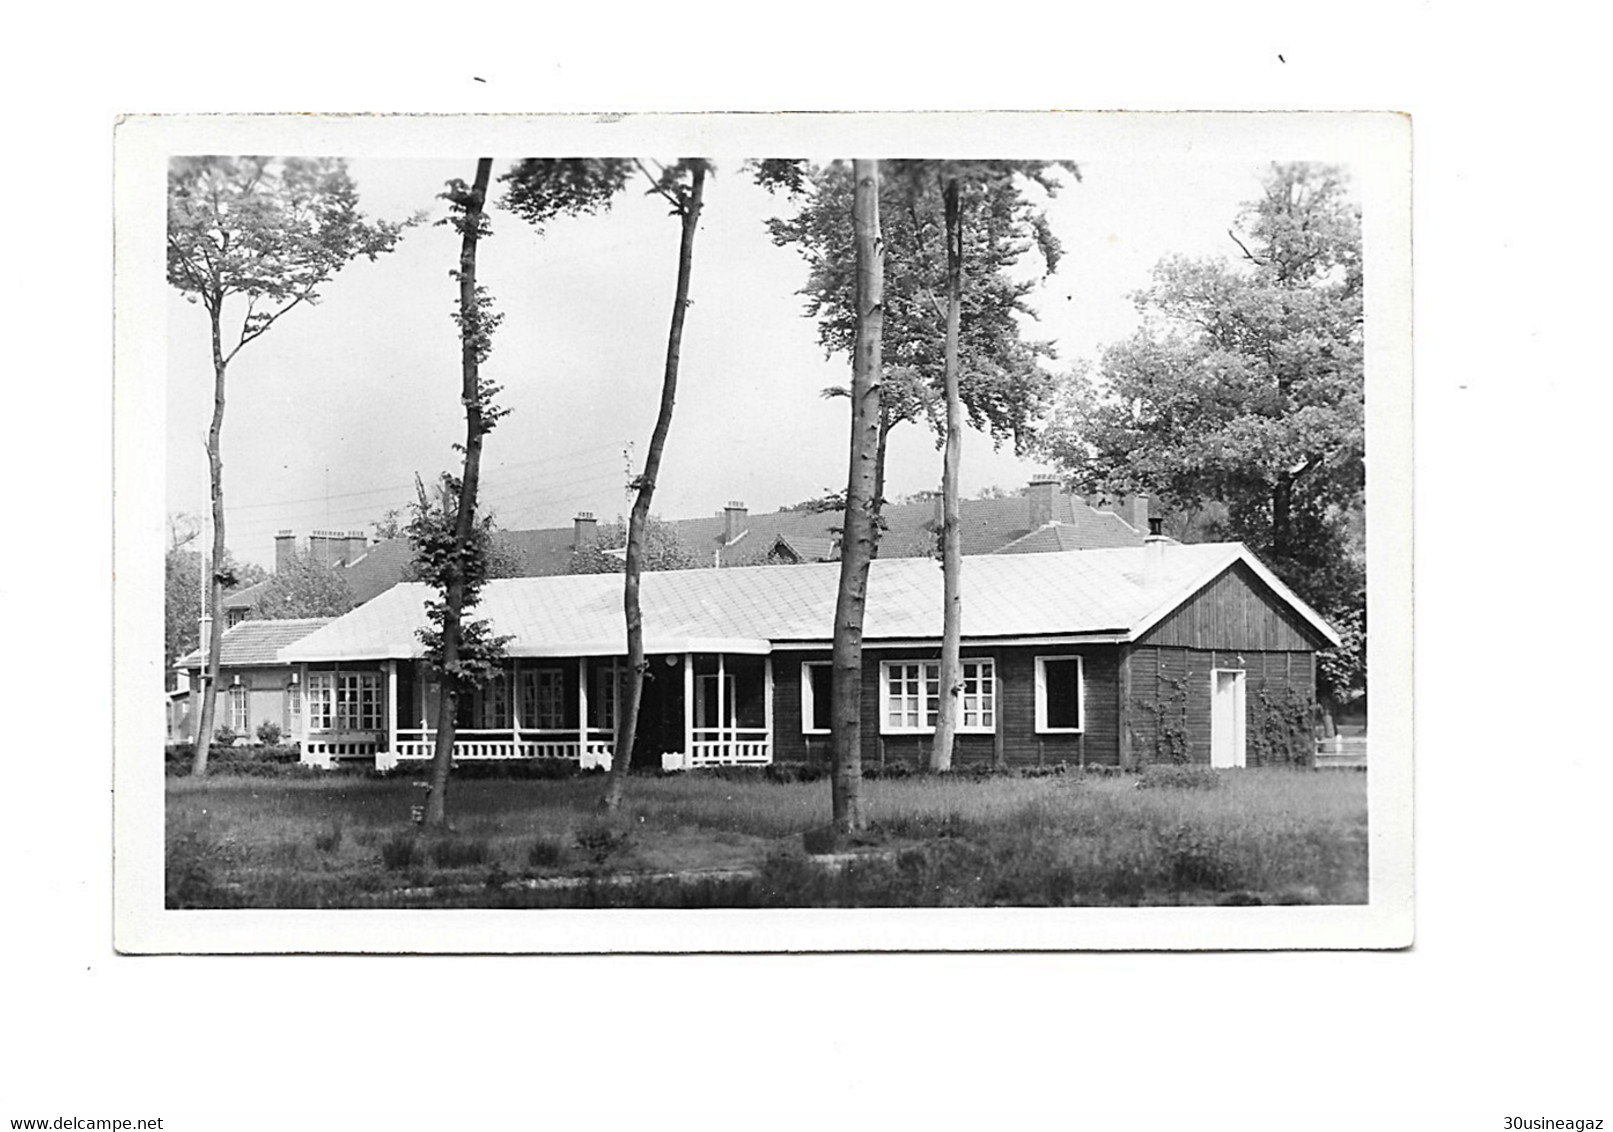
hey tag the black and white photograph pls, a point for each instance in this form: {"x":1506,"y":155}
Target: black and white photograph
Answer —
{"x":753,"y":532}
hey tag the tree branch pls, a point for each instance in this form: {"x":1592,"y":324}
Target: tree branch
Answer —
{"x":1247,"y":254}
{"x":656,"y":186}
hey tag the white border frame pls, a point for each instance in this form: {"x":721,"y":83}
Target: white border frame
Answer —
{"x":1377,"y":146}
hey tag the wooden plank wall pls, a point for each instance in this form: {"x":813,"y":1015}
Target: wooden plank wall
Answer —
{"x":1235,"y":611}
{"x":1161,"y":674}
{"x":1016,"y":682}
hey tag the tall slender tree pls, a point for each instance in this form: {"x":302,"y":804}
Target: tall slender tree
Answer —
{"x":683,"y":185}
{"x":858,"y":541}
{"x":259,"y":236}
{"x":464,"y":653}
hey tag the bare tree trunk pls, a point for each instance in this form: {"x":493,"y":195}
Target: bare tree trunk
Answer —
{"x":951,"y":675}
{"x":857,"y":543}
{"x":215,"y":585}
{"x":454,"y":599}
{"x":638,"y":519}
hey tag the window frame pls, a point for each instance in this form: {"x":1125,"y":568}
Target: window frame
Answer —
{"x":240,"y":705}
{"x":336,"y":701}
{"x":809,"y":698}
{"x":1080,"y":727}
{"x":928,"y":703}
{"x":546,"y":684}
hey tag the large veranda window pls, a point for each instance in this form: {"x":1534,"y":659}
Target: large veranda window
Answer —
{"x":910,"y":696}
{"x":344,"y":701}
{"x":1059,"y":702}
{"x":543,"y":699}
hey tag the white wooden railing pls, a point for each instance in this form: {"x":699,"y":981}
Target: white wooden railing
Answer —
{"x":502,"y":743}
{"x":323,"y":748}
{"x":1342,"y":751}
{"x":729,"y":746}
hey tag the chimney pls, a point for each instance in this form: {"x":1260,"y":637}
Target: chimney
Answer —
{"x":1154,"y":550}
{"x":320,"y":548}
{"x":734,"y":523}
{"x":1135,"y":512}
{"x":584,"y":530}
{"x":358,"y":545}
{"x":285,"y":545}
{"x":1042,"y":492}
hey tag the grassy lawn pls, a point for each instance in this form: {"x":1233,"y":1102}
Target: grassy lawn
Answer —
{"x":1271,"y":836}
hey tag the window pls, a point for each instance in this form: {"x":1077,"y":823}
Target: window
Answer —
{"x":294,"y":705}
{"x":543,"y":699}
{"x":238,"y":715}
{"x":602,"y":698}
{"x":910,"y":693}
{"x":496,"y":703}
{"x":817,"y":685}
{"x":233,"y":617}
{"x":1059,"y":694}
{"x":344,"y":701}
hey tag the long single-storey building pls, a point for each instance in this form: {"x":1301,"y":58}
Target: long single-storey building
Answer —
{"x":1163,"y":652}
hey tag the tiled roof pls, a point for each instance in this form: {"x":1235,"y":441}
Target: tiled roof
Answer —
{"x":257,"y":642}
{"x":743,"y":608}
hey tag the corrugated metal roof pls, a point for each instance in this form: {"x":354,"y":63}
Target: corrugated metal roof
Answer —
{"x":257,"y":642}
{"x":741,"y":609}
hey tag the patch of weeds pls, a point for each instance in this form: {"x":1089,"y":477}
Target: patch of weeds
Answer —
{"x":329,"y":839}
{"x":546,"y":853}
{"x":497,"y":877}
{"x":601,"y":841}
{"x":1184,"y":777}
{"x":456,"y":852}
{"x":1194,"y":858}
{"x":401,"y":851}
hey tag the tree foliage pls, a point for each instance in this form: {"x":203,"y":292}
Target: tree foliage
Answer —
{"x":663,"y":550}
{"x":441,"y":561}
{"x":1003,"y":383}
{"x":539,"y":189}
{"x":1243,"y":388}
{"x":303,"y":586}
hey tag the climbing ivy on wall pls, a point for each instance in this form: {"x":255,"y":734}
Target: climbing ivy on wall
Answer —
{"x":1169,"y":710}
{"x":1284,"y":727}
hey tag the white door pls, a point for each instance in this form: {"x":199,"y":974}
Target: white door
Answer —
{"x":1226,"y":718}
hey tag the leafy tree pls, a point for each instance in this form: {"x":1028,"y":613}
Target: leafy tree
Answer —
{"x":182,"y":597}
{"x":303,"y":586}
{"x":392,"y":524}
{"x":259,"y":236}
{"x":1242,"y":395}
{"x":452,"y":556}
{"x":1002,"y":384}
{"x":663,"y":550}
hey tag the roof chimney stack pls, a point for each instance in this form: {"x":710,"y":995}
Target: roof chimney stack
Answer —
{"x":285,"y":546}
{"x":357,"y":546}
{"x":734,"y":522}
{"x":1042,"y":492}
{"x":1154,"y":549}
{"x":584,"y":530}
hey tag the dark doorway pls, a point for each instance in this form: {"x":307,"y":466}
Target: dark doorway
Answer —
{"x":660,"y":717}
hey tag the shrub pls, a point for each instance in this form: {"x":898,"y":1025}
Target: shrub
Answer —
{"x":269,"y":733}
{"x":602,"y":841}
{"x":329,"y":839}
{"x":546,"y":853}
{"x":518,"y":769}
{"x":456,"y":852}
{"x":1171,"y":776}
{"x":225,"y":736}
{"x":400,"y":851}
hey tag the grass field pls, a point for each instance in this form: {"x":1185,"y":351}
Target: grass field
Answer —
{"x":1242,"y":837}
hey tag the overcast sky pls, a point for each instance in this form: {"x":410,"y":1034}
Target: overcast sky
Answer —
{"x":332,"y":413}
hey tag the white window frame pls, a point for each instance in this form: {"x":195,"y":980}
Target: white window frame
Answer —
{"x":543,"y":699}
{"x":928,"y":704}
{"x":1080,"y":695}
{"x":344,"y":702}
{"x":809,"y":698}
{"x":240,"y":709}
